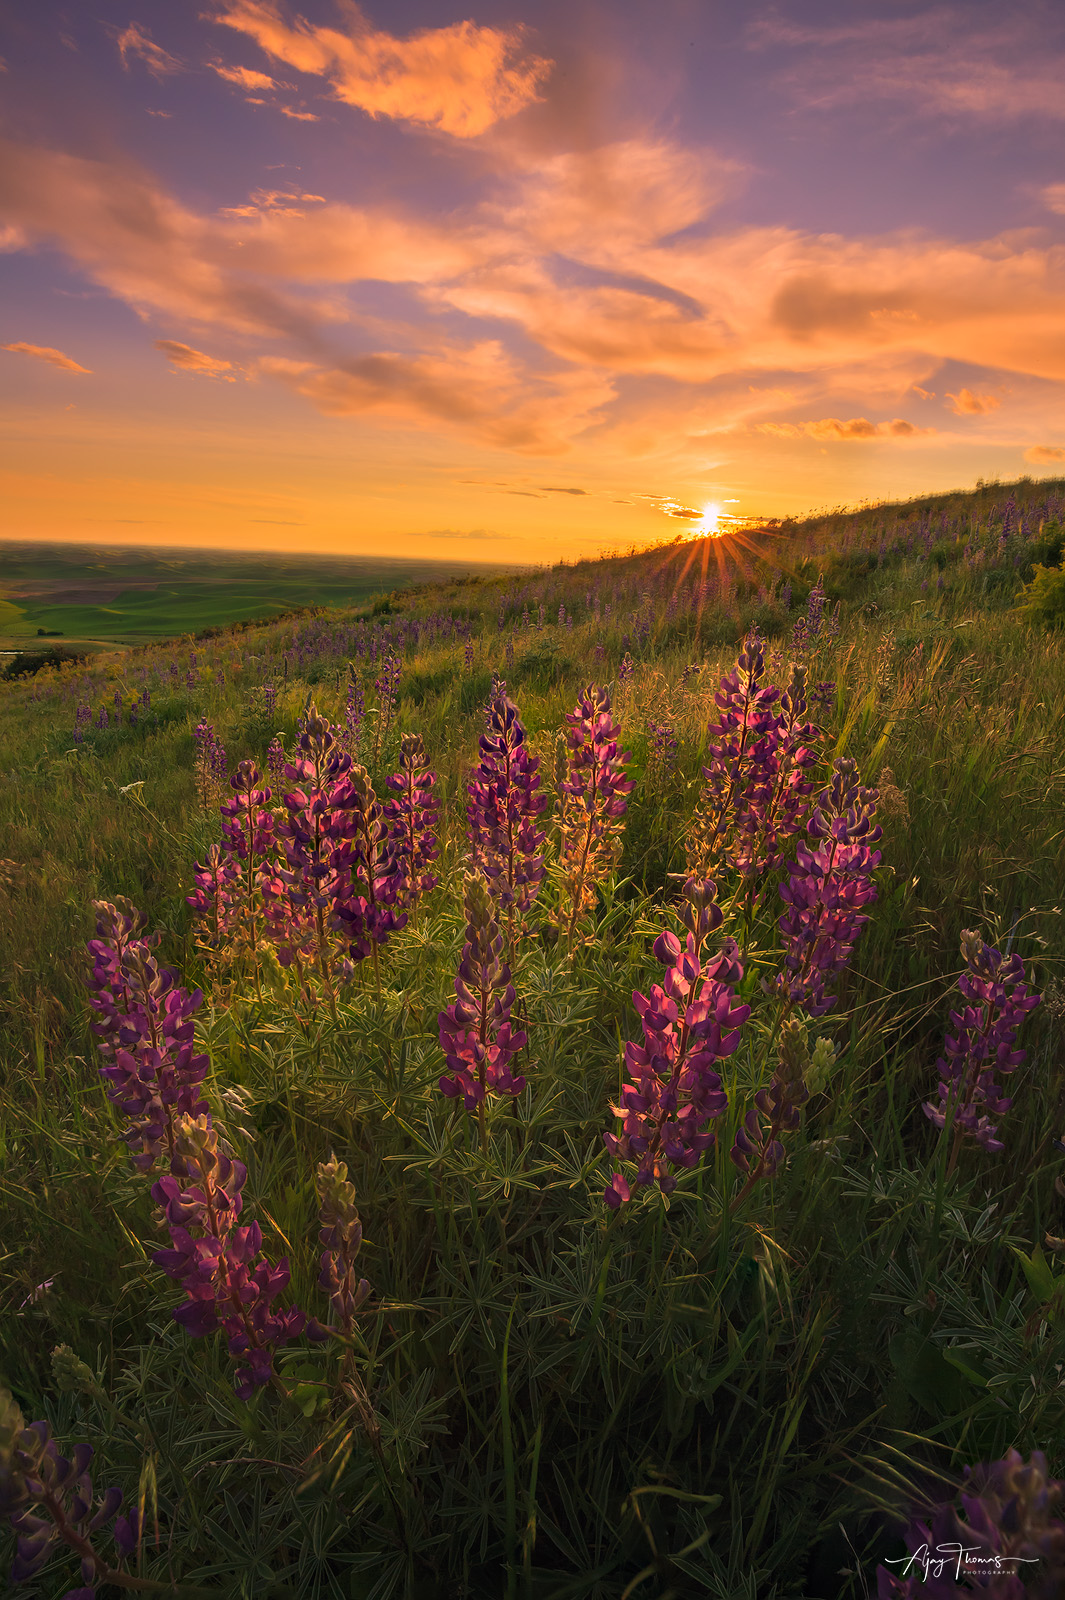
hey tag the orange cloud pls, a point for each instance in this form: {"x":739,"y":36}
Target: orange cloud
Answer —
{"x":136,"y":41}
{"x":190,"y":360}
{"x":299,"y":116}
{"x":478,"y":391}
{"x":1044,"y":452}
{"x":968,"y":404}
{"x":460,"y":79}
{"x":832,"y":428}
{"x":45,"y":352}
{"x":244,"y":77}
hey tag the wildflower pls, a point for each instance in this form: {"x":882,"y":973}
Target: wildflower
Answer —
{"x":211,"y":765}
{"x":502,"y":810}
{"x":227,"y":1283}
{"x":826,"y":890}
{"x":217,"y":900}
{"x":982,"y":1045}
{"x":145,"y":1033}
{"x":364,"y":904}
{"x":594,"y":799}
{"x":354,"y":712}
{"x":475,"y":1031}
{"x":757,"y":1149}
{"x":341,"y":1234}
{"x":48,"y":1499}
{"x":413,"y":819}
{"x":1007,"y":1540}
{"x":690,"y":1022}
{"x":387,"y":686}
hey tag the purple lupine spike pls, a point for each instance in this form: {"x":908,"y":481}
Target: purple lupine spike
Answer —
{"x":275,"y":759}
{"x":354,"y":712}
{"x":740,"y":743}
{"x":982,"y":1045}
{"x":227,"y":1282}
{"x":341,"y":1235}
{"x":48,"y":1500}
{"x":475,"y":1031}
{"x":145,"y":1033}
{"x":413,"y":820}
{"x":302,"y":898}
{"x":248,"y":839}
{"x":770,"y":801}
{"x":594,"y":799}
{"x":690,"y":1021}
{"x":217,"y":900}
{"x":826,"y":890}
{"x":1005,"y":1541}
{"x":367,"y":907}
{"x":502,"y":807}
{"x":757,"y":1149}
{"x":387,"y":686}
{"x":211,"y":765}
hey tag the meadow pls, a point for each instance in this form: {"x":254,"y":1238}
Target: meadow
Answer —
{"x":549,"y":1086}
{"x":127,"y":595}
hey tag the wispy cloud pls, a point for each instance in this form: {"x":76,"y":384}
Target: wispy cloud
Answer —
{"x":135,"y":42}
{"x":834,"y":429}
{"x":45,"y":352}
{"x":460,"y":79}
{"x":244,"y":77}
{"x":190,"y":360}
{"x":1041,"y":454}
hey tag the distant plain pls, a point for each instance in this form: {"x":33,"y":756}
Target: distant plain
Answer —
{"x":124,"y":595}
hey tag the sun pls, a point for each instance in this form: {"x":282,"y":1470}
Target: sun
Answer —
{"x":710,"y":525}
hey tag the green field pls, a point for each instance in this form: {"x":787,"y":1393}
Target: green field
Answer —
{"x":126,"y":596}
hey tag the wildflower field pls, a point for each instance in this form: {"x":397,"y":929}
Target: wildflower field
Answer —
{"x":550,"y":1086}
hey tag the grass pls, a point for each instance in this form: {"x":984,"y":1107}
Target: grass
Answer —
{"x":670,"y":1401}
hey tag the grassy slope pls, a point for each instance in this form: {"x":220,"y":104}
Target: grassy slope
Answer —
{"x":532,"y":1362}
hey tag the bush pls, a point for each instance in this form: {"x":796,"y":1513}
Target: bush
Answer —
{"x":1043,"y":600}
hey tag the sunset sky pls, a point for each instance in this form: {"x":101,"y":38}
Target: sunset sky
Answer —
{"x":515,"y":282}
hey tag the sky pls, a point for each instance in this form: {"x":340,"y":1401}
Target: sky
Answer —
{"x":520,"y":282}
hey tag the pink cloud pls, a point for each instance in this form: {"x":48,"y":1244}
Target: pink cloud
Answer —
{"x":299,"y":116}
{"x":135,"y":41}
{"x":1042,"y":453}
{"x":45,"y":352}
{"x":460,"y":79}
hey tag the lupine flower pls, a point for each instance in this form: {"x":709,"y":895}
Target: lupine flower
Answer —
{"x":757,"y":1149}
{"x":468,"y":655}
{"x":626,"y":668}
{"x":341,"y":1234}
{"x":354,"y":712}
{"x":982,"y":1045}
{"x":217,"y":900}
{"x":211,"y":765}
{"x":144,"y":1031}
{"x":48,"y":1499}
{"x":1005,"y":1542}
{"x":594,"y":800}
{"x":826,"y":890}
{"x":690,"y":1022}
{"x":815,"y":606}
{"x":302,"y":898}
{"x":275,"y":759}
{"x":502,"y":811}
{"x":365,"y":906}
{"x":387,"y":686}
{"x":743,"y":733}
{"x":248,"y":837}
{"x":413,"y":819}
{"x":228,"y":1284}
{"x":663,"y":745}
{"x":475,"y":1031}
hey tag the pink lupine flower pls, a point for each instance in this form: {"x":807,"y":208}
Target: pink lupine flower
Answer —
{"x":594,"y":799}
{"x":691,"y":1021}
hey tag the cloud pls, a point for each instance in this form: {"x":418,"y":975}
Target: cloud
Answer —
{"x":190,"y":360}
{"x":244,"y":77}
{"x":135,"y":41}
{"x":1044,"y":452}
{"x":477,"y":390}
{"x":45,"y":352}
{"x":940,"y":61}
{"x":550,"y":488}
{"x":459,"y":79}
{"x":968,"y":404}
{"x":299,"y":116}
{"x":833,"y":429}
{"x":1054,"y":197}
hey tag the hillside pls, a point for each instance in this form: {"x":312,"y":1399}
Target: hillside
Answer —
{"x":781,"y":1299}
